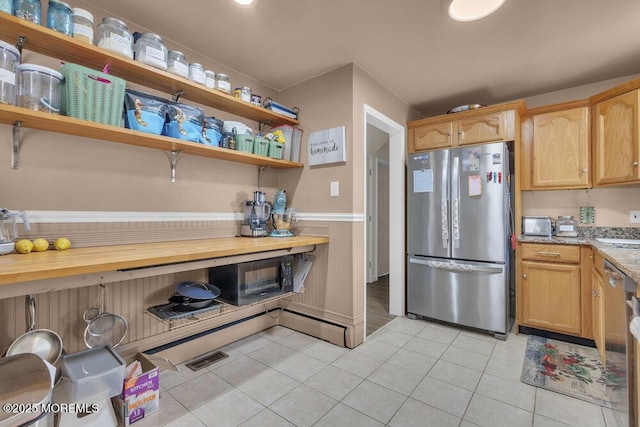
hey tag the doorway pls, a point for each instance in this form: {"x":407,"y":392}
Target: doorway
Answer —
{"x":384,"y":201}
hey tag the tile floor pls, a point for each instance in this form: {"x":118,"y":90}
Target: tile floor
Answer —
{"x":408,"y":373}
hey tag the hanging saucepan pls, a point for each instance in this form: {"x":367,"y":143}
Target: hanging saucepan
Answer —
{"x":43,"y":342}
{"x":198,"y":290}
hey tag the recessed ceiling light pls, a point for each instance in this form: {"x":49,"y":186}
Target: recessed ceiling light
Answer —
{"x":470,"y":10}
{"x":245,"y":2}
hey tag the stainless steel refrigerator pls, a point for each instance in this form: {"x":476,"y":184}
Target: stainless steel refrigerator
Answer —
{"x":459,"y":228}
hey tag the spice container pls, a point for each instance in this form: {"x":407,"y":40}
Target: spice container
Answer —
{"x":40,"y":88}
{"x":82,"y":25}
{"x":196,"y":73}
{"x":210,"y":79}
{"x":9,"y":60}
{"x":60,"y":17}
{"x":113,"y":35}
{"x":177,"y":64}
{"x":236,"y":92}
{"x":30,"y":10}
{"x":150,"y":50}
{"x":222,"y":83}
{"x":566,"y":226}
{"x":245,"y":94}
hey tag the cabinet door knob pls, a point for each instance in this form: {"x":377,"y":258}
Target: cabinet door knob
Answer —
{"x":596,"y":293}
{"x":524,"y":276}
{"x":634,"y":163}
{"x":584,"y":170}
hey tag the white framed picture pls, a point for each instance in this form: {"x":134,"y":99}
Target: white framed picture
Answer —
{"x":327,"y":146}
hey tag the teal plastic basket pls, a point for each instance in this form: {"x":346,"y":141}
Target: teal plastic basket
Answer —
{"x":260,"y":146}
{"x":244,"y":143}
{"x":275,"y":149}
{"x":93,"y":95}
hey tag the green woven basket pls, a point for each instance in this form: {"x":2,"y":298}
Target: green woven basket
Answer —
{"x":275,"y":149}
{"x":93,"y":95}
{"x":261,"y":146}
{"x":244,"y":143}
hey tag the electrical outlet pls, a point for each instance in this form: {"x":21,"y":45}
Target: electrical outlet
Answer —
{"x":634,"y":217}
{"x":335,"y":188}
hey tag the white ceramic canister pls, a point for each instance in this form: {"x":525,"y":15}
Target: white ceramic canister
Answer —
{"x":9,"y":59}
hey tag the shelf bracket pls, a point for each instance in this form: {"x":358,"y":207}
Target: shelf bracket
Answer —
{"x":173,"y":160}
{"x":15,"y":145}
{"x":176,"y":96}
{"x":20,"y":43}
{"x":262,"y":125}
{"x":261,"y":170}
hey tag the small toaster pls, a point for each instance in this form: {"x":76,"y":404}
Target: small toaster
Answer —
{"x":537,"y":226}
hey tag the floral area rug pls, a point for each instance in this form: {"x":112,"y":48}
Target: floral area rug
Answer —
{"x":569,"y":369}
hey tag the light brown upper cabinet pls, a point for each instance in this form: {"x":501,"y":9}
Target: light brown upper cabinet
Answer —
{"x":556,"y":152}
{"x":484,"y":125}
{"x":616,"y":142}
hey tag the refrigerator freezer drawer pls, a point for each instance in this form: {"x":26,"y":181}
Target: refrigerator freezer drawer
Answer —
{"x":472,"y":294}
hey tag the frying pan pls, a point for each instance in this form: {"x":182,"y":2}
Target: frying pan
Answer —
{"x":43,"y":342}
{"x":198,"y":290}
{"x":186,"y":303}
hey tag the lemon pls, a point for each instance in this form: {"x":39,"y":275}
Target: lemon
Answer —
{"x":62,"y":243}
{"x":24,"y":246}
{"x":40,"y":245}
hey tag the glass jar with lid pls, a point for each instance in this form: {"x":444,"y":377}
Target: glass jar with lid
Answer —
{"x":60,"y":17}
{"x":210,"y":79}
{"x":30,"y":10}
{"x":82,"y":25}
{"x":177,"y":64}
{"x":566,"y":226}
{"x":196,"y":73}
{"x":113,"y":35}
{"x":222,"y":83}
{"x":9,"y":60}
{"x":150,"y":50}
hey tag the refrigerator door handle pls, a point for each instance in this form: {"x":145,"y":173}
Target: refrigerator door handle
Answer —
{"x":455,"y":266}
{"x":444,"y":204}
{"x":455,"y":196}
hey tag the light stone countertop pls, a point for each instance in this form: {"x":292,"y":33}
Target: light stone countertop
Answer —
{"x":625,"y":257}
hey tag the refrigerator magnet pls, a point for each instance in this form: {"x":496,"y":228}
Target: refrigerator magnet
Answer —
{"x":475,"y":185}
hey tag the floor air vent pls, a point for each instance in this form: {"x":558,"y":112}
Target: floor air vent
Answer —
{"x":206,"y":359}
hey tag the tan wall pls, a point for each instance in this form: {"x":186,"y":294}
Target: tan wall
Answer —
{"x":612,"y":205}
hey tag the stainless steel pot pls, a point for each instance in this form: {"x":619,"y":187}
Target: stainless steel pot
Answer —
{"x":42,"y":342}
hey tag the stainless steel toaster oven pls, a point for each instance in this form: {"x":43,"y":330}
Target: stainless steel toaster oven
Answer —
{"x":537,"y":226}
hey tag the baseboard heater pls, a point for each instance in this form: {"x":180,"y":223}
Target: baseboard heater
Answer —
{"x":246,"y":319}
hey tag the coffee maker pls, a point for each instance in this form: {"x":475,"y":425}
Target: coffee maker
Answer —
{"x":256,"y":215}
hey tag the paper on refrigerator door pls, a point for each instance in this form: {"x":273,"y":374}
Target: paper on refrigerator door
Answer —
{"x":423,"y":181}
{"x":475,"y":185}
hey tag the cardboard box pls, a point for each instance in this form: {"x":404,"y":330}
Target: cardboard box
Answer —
{"x":141,"y":393}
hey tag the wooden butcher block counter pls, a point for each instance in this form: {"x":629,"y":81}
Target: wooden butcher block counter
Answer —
{"x":17,"y":268}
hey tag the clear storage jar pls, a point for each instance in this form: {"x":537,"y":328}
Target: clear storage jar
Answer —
{"x":9,"y":60}
{"x":209,"y":79}
{"x":60,"y":17}
{"x":82,"y":25}
{"x":196,"y":73}
{"x":245,"y":94}
{"x":30,"y":10}
{"x":177,"y":64}
{"x":222,"y":83}
{"x":40,"y":88}
{"x":6,"y":6}
{"x":150,"y":50}
{"x":113,"y":35}
{"x":566,"y":226}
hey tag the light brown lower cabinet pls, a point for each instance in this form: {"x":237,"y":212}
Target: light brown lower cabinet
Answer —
{"x":550,"y":289}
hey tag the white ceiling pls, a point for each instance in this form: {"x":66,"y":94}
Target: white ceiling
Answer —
{"x":412,"y":47}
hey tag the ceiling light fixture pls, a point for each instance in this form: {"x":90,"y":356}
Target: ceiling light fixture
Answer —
{"x":471,"y":10}
{"x":244,"y":2}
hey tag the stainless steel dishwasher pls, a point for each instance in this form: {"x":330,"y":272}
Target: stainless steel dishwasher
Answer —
{"x":620,"y":345}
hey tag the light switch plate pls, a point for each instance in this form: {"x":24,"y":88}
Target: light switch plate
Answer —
{"x":335,"y":188}
{"x":634,"y":217}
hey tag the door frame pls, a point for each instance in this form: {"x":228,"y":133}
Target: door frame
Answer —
{"x":397,"y":164}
